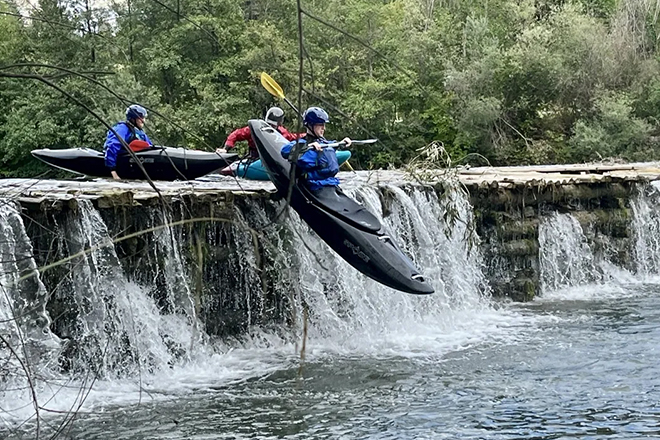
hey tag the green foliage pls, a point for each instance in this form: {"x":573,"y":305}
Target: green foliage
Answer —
{"x":516,"y":81}
{"x":613,"y":131}
{"x":647,"y":102}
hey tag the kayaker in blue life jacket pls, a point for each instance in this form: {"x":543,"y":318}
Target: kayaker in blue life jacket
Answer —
{"x":129,"y":130}
{"x":317,"y":164}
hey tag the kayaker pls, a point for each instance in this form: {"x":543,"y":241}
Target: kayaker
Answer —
{"x":274,"y":116}
{"x":317,"y":164}
{"x":131,"y":131}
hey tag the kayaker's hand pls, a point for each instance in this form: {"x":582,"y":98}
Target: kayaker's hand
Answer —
{"x":220,"y":150}
{"x":114,"y":175}
{"x":316,"y":146}
{"x":347,"y":141}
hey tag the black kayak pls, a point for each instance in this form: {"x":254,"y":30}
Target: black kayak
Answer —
{"x":345,"y":225}
{"x":161,"y":163}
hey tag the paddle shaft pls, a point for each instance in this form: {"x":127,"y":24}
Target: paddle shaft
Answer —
{"x":293,"y":107}
{"x":343,"y":144}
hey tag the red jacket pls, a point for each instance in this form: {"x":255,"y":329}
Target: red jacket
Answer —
{"x":243,"y":134}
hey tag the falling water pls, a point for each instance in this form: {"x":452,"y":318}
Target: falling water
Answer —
{"x":118,"y":327}
{"x":23,"y":295}
{"x":180,"y":303}
{"x":28,"y":349}
{"x":565,"y":258}
{"x":646,"y":224}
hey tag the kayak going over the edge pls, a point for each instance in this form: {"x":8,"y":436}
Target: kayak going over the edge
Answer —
{"x":345,"y":225}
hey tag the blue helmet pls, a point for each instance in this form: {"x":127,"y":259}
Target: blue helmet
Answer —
{"x":135,"y":112}
{"x":315,"y":115}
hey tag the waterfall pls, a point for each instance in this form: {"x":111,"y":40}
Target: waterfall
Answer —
{"x":568,"y":256}
{"x":116,"y":326}
{"x":23,"y":296}
{"x":180,"y":303}
{"x":234,"y":273}
{"x":565,"y":258}
{"x":646,"y":225}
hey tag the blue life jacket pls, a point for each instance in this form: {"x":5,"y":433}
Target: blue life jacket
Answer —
{"x":318,"y":168}
{"x":113,"y":146}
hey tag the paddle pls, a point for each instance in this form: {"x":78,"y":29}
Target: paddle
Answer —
{"x":274,"y":89}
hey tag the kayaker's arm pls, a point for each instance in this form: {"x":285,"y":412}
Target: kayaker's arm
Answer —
{"x":288,"y":148}
{"x":240,"y":134}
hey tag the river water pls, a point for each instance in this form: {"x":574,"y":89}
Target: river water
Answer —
{"x":580,"y":361}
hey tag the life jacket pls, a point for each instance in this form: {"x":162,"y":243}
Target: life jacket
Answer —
{"x":326,"y":164}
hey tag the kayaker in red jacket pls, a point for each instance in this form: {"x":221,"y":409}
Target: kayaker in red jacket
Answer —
{"x":275,"y":117}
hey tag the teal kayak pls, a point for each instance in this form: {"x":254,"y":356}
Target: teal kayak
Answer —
{"x":256,"y":171}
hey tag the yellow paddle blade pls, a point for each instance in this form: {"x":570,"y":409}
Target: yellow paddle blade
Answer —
{"x":271,"y":85}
